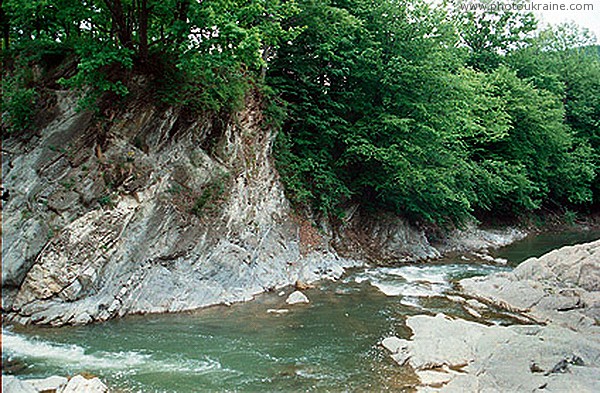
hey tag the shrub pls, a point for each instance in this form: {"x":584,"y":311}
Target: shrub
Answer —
{"x":18,"y":105}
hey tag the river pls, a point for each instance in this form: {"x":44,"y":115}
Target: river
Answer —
{"x":327,"y":345}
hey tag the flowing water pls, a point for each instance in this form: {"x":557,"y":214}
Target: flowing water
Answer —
{"x":329,"y":345}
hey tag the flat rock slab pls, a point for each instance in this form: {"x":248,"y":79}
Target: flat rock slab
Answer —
{"x":11,"y":384}
{"x":561,"y":287}
{"x":50,"y":384}
{"x":457,"y":355}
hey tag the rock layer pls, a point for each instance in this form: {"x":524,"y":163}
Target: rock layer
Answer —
{"x":387,"y":238}
{"x":154,"y":210}
{"x":559,"y":289}
{"x":455,"y":355}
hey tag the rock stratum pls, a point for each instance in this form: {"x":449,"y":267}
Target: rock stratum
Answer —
{"x":54,"y":384}
{"x":561,"y":353}
{"x":561,"y":287}
{"x":148,"y":209}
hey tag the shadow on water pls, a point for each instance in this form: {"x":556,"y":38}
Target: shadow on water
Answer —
{"x":538,"y":245}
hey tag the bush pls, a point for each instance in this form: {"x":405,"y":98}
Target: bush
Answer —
{"x":18,"y":105}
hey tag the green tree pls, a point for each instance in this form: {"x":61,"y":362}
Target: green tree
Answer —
{"x":560,"y":61}
{"x":492,"y":33}
{"x":209,"y":49}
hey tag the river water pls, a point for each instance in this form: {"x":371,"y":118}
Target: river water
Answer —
{"x":329,"y":345}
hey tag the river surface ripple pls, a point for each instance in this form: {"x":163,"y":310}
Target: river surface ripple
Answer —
{"x":328,"y":345}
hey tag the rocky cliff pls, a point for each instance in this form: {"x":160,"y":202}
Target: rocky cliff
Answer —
{"x":149,"y":211}
{"x":145,"y":209}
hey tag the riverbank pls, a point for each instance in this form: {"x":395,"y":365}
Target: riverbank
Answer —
{"x":160,"y":213}
{"x":54,"y":384}
{"x":326,"y":344}
{"x":558,"y":292}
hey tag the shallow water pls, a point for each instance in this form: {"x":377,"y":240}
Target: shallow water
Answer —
{"x":328,"y":345}
{"x":535,"y":246}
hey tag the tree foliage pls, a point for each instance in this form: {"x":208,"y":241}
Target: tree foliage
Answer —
{"x":206,"y":52}
{"x":431,"y":113}
{"x":421,"y":111}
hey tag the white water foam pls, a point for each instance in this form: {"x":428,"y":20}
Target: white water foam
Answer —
{"x":415,"y":290}
{"x":66,"y":355}
{"x":432,"y":274}
{"x":417,"y":281}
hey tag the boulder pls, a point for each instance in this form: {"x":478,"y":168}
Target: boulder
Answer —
{"x":50,"y":384}
{"x":79,"y":384}
{"x":296,"y":298}
{"x":394,"y":344}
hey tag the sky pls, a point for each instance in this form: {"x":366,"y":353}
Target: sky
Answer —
{"x":588,"y":19}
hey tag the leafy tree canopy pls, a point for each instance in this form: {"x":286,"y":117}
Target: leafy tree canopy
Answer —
{"x":427,"y":111}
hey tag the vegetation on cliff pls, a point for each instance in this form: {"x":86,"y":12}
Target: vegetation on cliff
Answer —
{"x":432,"y":113}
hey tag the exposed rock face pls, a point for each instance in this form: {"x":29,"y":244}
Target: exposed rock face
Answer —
{"x":462,"y":356}
{"x":151,"y":212}
{"x":388,"y":238}
{"x":560,"y":289}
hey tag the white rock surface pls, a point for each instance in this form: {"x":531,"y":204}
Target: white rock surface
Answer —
{"x":11,"y":384}
{"x":455,"y":355}
{"x":297,"y":297}
{"x":79,"y":384}
{"x":476,"y":304}
{"x":561,"y":287}
{"x":54,"y":383}
{"x":394,"y":344}
{"x":278,"y":311}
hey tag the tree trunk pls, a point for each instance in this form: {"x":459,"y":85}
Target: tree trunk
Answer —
{"x":143,"y":32}
{"x":5,"y":27}
{"x":120,"y":23}
{"x":182,"y":8}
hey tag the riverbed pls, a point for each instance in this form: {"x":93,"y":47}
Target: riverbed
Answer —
{"x":330,"y":344}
